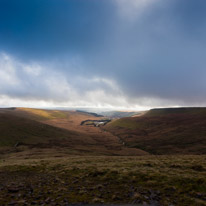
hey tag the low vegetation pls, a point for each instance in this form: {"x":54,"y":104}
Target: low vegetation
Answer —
{"x":156,"y":180}
{"x":21,"y":131}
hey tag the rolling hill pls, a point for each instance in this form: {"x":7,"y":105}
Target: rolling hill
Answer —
{"x":57,"y":131}
{"x":159,"y":131}
{"x":164,"y":131}
{"x":17,"y":131}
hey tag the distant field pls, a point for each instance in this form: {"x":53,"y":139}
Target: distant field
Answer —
{"x":158,"y":180}
{"x":164,"y":131}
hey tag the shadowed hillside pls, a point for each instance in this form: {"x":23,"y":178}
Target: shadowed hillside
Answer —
{"x":164,"y":131}
{"x":19,"y":131}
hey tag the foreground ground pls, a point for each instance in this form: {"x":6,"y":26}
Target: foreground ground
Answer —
{"x":154,"y":180}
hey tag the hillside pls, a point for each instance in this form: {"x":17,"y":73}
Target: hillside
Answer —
{"x":56,"y":132}
{"x":159,"y":131}
{"x":36,"y":114}
{"x":19,"y":132}
{"x":164,"y":131}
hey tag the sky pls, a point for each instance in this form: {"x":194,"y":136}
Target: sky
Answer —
{"x":131,"y":54}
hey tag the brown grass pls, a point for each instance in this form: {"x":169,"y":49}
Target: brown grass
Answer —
{"x":168,"y":180}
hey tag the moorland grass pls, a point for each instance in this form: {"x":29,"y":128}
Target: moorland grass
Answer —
{"x":175,"y":180}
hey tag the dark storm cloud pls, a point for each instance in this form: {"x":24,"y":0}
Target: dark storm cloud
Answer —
{"x":149,"y":52}
{"x":39,"y":28}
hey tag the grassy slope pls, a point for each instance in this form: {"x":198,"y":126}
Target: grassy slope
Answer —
{"x":28,"y":128}
{"x":165,"y":131}
{"x":25,"y":131}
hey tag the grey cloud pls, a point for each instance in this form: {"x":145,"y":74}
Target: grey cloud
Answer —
{"x":154,"y":55}
{"x":37,"y":82}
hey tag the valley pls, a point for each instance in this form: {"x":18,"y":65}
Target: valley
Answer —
{"x":37,"y":131}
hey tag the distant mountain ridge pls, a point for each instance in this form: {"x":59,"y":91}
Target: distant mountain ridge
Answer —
{"x":120,"y":114}
{"x":90,"y":113}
